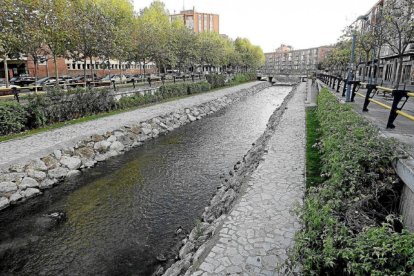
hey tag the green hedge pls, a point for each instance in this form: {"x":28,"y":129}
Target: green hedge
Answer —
{"x":351,"y":223}
{"x":165,"y":92}
{"x":13,"y":117}
{"x":216,"y":80}
{"x":59,"y":106}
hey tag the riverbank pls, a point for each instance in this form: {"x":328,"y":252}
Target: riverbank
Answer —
{"x":39,"y":162}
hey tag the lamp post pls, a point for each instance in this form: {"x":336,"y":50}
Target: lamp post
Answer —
{"x":351,"y":64}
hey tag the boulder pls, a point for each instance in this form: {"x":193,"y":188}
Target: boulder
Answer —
{"x":58,"y":173}
{"x":50,"y":162}
{"x":12,"y":177}
{"x":117,"y":146}
{"x":7,"y":187}
{"x":97,"y":138}
{"x":72,"y":163}
{"x":85,"y":152}
{"x":146,"y":131}
{"x":102,"y":146}
{"x":30,"y":192}
{"x":28,"y":182}
{"x":73,"y":173}
{"x":58,"y":154}
{"x":187,"y":248}
{"x":38,"y":175}
{"x":47,"y":183}
{"x":37,"y":165}
{"x":111,"y":139}
{"x":15,"y":197}
{"x":4,"y":203}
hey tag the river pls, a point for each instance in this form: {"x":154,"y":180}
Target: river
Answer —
{"x":123,"y":213}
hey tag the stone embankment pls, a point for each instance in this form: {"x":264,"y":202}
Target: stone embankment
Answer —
{"x":194,"y":247}
{"x":21,"y":181}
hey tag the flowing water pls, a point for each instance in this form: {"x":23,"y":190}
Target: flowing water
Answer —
{"x":123,"y":213}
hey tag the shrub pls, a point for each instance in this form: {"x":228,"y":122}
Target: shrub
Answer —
{"x":244,"y":77}
{"x":347,"y":222}
{"x":13,"y":118}
{"x":58,"y":106}
{"x":216,"y":80}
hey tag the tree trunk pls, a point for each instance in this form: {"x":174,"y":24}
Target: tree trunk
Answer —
{"x":6,"y":71}
{"x":398,"y":72}
{"x":35,"y":68}
{"x":56,"y":71}
{"x":47,"y":67}
{"x":90,"y":64}
{"x":84,"y":71}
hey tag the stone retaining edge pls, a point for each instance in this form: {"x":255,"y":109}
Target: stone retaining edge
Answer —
{"x":196,"y":246}
{"x":22,"y":181}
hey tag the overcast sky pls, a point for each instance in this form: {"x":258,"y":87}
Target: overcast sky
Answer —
{"x":269,"y":23}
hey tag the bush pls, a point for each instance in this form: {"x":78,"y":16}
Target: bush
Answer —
{"x":58,"y":106}
{"x":349,"y":224}
{"x":13,"y":118}
{"x":166,"y":91}
{"x":244,"y":77}
{"x":216,"y":80}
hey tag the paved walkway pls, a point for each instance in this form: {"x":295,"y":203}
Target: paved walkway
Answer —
{"x":259,"y":230}
{"x":41,"y":144}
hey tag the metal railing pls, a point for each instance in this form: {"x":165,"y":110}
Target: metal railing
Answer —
{"x":399,"y":96}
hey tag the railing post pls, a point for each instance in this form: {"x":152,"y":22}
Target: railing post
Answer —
{"x":370,"y":88}
{"x":345,"y":85}
{"x":398,"y":95}
{"x":339,"y":84}
{"x":356,"y":85}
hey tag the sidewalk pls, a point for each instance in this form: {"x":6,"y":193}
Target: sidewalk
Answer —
{"x":35,"y":146}
{"x":259,"y":230}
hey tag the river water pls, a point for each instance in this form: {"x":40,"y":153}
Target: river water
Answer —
{"x":124,"y":212}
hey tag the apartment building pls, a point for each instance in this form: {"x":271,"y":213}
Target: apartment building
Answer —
{"x":287,"y":60}
{"x":384,"y":66}
{"x":197,"y":21}
{"x":72,"y":67}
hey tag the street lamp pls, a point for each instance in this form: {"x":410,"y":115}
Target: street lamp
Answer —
{"x":351,"y":64}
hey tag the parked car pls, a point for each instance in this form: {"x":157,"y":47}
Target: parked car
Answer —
{"x":154,"y":77}
{"x":23,"y":80}
{"x":81,"y":78}
{"x":115,"y":78}
{"x":49,"y":81}
{"x":67,"y":79}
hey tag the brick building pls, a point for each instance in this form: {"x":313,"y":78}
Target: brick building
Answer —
{"x":25,"y":65}
{"x":287,"y":60}
{"x":198,"y":22}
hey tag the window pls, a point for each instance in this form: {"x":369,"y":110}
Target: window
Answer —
{"x":200,"y":22}
{"x":68,"y":65}
{"x":79,"y":66}
{"x":406,"y":73}
{"x":211,"y":23}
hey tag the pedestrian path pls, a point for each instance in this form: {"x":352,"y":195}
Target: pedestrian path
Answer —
{"x":260,"y":229}
{"x":40,"y":144}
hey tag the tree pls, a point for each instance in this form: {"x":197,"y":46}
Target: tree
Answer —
{"x":184,"y":44}
{"x":57,"y":27}
{"x":211,"y":49}
{"x":11,"y":28}
{"x":398,"y":30}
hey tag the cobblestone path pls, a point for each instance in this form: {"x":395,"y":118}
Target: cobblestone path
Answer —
{"x":259,"y":230}
{"x":41,"y":144}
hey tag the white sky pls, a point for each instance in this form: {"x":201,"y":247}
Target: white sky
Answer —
{"x":269,"y":23}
